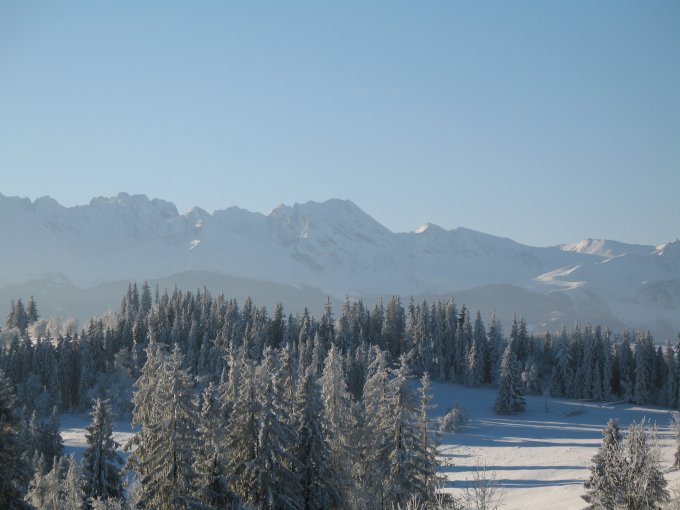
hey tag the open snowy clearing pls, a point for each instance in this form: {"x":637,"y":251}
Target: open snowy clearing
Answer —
{"x":73,"y":433}
{"x":541,"y":456}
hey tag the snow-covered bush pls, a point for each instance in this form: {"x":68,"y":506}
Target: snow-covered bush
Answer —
{"x":107,"y":504}
{"x":454,"y":419}
{"x":675,"y":429}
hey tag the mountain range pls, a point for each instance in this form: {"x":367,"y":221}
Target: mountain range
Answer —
{"x":78,"y":260}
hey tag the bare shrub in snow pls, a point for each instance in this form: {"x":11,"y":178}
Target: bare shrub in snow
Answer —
{"x":483,"y":493}
{"x":454,"y":419}
{"x":441,"y":501}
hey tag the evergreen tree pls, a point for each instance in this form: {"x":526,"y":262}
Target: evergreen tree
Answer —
{"x":73,"y":493}
{"x":496,"y":348}
{"x":427,"y":458}
{"x":409,"y":460}
{"x":52,"y":442}
{"x":101,"y":462}
{"x":675,"y":428}
{"x":561,"y":383}
{"x":13,"y":476}
{"x":211,"y":488}
{"x":626,"y":473}
{"x":37,"y":494}
{"x":31,"y":311}
{"x":644,"y":485}
{"x":337,"y":417}
{"x":319,"y":478}
{"x":474,"y":368}
{"x":45,"y":492}
{"x":510,"y":399}
{"x":164,"y":407}
{"x":375,"y":439}
{"x":274,"y":471}
{"x":242,"y":432}
{"x":605,"y":471}
{"x":644,"y":370}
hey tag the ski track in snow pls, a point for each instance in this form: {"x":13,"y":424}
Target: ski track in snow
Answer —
{"x":540,"y":457}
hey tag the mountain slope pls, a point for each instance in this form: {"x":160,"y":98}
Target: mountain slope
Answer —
{"x":335,"y":248}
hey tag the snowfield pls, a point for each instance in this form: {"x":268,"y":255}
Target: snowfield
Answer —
{"x":540,"y":457}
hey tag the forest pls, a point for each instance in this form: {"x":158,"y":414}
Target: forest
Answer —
{"x":237,"y":408}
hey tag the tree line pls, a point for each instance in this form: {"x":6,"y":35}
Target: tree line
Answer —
{"x":443,"y":339}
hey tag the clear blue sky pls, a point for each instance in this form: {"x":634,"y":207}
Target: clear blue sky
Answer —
{"x":542,"y":121}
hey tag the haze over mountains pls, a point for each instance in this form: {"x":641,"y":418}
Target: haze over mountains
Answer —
{"x":76,"y":260}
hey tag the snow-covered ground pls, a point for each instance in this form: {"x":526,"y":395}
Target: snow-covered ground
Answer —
{"x":73,"y":433}
{"x":541,"y":456}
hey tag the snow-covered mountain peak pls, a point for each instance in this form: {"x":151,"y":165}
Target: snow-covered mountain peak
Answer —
{"x":606,"y":248}
{"x":319,"y":220}
{"x":131,"y":205}
{"x":670,"y":250}
{"x":429,"y":228}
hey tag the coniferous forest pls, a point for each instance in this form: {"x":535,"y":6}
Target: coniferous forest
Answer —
{"x":239,"y":408}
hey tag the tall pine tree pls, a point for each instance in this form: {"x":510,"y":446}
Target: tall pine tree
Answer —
{"x":510,"y":399}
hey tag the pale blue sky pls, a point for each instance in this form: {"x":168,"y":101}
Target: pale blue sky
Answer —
{"x":542,"y":121}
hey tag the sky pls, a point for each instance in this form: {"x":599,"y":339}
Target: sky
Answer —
{"x":545,"y":122}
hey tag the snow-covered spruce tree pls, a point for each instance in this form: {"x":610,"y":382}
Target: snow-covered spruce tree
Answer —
{"x":463,"y":340}
{"x":605,"y":472}
{"x":644,"y":485}
{"x":675,"y":429}
{"x":73,"y":493}
{"x":36,"y":495}
{"x":645,"y":370}
{"x":669,"y":391}
{"x":626,"y":473}
{"x":373,"y":444}
{"x":274,"y":470}
{"x":45,"y":492}
{"x":428,"y":445}
{"x":261,"y":467}
{"x":337,"y":418}
{"x":510,"y":399}
{"x":496,"y":348}
{"x":242,"y":432}
{"x":409,"y":460}
{"x":163,"y":458}
{"x":13,"y":475}
{"x":145,"y":400}
{"x":318,"y":477}
{"x":482,"y":347}
{"x":101,"y":462}
{"x":474,"y":368}
{"x":210,"y":488}
{"x":561,"y":384}
{"x":52,"y":444}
